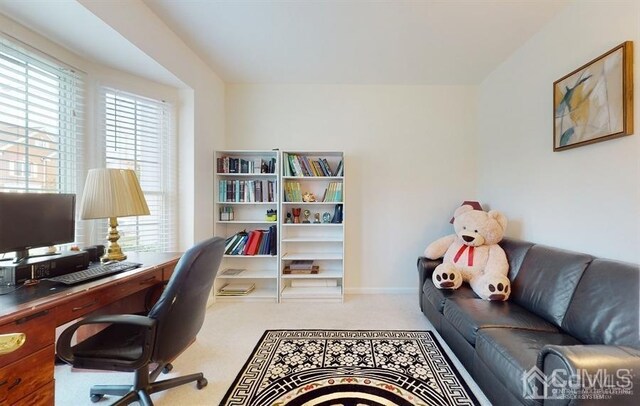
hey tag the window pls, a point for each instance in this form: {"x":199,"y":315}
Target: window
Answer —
{"x":139,"y":135}
{"x":41,"y":108}
{"x":41,"y":116}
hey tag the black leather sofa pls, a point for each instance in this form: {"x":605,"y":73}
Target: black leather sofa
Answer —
{"x":569,"y":315}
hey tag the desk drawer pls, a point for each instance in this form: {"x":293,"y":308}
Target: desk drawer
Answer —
{"x":26,"y":376}
{"x":136,"y":284}
{"x":39,"y":330}
{"x":79,"y":307}
{"x":44,"y":396}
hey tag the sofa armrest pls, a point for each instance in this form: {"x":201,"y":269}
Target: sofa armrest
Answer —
{"x":426,"y":267}
{"x":585,"y":373}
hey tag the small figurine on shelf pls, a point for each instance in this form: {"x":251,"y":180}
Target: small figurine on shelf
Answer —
{"x":307,"y":213}
{"x":316,"y":218}
{"x":308,"y":197}
{"x":296,"y":214}
{"x":272,"y":215}
{"x":326,"y":217}
{"x":337,"y":214}
{"x":288,"y":219}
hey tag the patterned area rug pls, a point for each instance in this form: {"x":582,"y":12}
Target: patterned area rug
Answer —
{"x":344,"y":367}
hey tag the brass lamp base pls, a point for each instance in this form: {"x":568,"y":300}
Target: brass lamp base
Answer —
{"x":113,"y":252}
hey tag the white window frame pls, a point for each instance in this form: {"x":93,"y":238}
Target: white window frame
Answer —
{"x":136,"y":142}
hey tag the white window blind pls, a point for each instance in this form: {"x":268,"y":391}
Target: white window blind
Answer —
{"x":41,"y":123}
{"x":139,"y":135}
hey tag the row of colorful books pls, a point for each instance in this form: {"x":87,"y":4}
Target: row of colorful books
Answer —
{"x":301,"y":165}
{"x":247,"y":191}
{"x":227,"y":164}
{"x":254,"y":242}
{"x":333,"y":193}
{"x":292,"y":192}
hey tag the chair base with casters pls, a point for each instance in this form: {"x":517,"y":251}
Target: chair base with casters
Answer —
{"x":142,"y":388}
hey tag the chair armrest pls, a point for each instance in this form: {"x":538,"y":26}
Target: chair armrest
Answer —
{"x":63,"y":345}
{"x":598,"y":369}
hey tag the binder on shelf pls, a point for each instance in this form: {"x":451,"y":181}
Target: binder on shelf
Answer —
{"x":301,"y":264}
{"x":288,"y":271}
{"x":236,"y":289}
{"x":232,"y":271}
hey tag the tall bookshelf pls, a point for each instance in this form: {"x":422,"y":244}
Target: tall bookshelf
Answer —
{"x":319,"y":238}
{"x":246,"y":188}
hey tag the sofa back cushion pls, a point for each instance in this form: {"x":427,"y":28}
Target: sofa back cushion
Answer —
{"x":546,"y":281}
{"x":516,"y":250}
{"x":604,"y":308}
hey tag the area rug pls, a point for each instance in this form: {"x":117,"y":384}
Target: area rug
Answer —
{"x":346,"y":367}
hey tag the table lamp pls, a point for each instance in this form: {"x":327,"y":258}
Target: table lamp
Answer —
{"x":112,"y":193}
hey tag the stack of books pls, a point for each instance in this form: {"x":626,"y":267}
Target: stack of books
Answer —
{"x":302,"y":266}
{"x":236,"y":289}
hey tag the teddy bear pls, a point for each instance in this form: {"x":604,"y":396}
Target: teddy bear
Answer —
{"x":473,"y":255}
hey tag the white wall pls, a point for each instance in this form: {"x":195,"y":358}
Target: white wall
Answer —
{"x":201,"y":117}
{"x":409,"y":160}
{"x":586,"y":198}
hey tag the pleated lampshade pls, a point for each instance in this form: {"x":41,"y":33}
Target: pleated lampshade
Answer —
{"x":112,"y":193}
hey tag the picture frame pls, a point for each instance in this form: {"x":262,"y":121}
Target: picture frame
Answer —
{"x":594,"y":103}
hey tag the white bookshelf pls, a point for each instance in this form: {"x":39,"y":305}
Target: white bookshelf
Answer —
{"x":249,"y":213}
{"x":322,"y":242}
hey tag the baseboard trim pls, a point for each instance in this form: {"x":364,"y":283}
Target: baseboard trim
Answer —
{"x":381,"y":291}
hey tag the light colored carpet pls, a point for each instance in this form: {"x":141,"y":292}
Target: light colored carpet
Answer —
{"x":231,"y":331}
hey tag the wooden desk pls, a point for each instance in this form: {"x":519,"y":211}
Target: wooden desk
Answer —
{"x":26,"y":374}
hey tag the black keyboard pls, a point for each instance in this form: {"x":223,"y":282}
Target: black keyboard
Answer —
{"x":94,"y":272}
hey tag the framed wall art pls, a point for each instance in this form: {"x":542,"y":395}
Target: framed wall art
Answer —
{"x":595,"y":102}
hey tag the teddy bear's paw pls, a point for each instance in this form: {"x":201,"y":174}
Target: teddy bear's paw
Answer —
{"x":499,"y":291}
{"x":446,"y":278}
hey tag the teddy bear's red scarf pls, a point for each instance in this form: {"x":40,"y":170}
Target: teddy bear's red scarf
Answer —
{"x":461,"y":251}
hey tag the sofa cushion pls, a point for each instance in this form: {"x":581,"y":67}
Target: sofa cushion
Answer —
{"x":437,"y":296}
{"x":604,"y":308}
{"x":511,"y":353}
{"x":516,"y":250}
{"x":469,"y":315}
{"x":546,"y":281}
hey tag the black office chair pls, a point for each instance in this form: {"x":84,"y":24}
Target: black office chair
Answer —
{"x":133,"y":342}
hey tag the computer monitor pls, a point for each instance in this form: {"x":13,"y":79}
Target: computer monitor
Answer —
{"x":32,"y":220}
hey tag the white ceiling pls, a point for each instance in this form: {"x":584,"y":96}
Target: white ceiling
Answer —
{"x":355,"y":41}
{"x":310,"y":41}
{"x":71,"y":25}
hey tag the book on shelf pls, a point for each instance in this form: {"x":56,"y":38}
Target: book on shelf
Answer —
{"x":288,"y":271}
{"x":239,"y":191}
{"x":340,"y":169}
{"x":313,"y":283}
{"x":302,"y":165}
{"x":236,"y":289}
{"x":232,"y":271}
{"x":253,"y":242}
{"x":227,"y":164}
{"x":333,"y":192}
{"x":301,"y":264}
